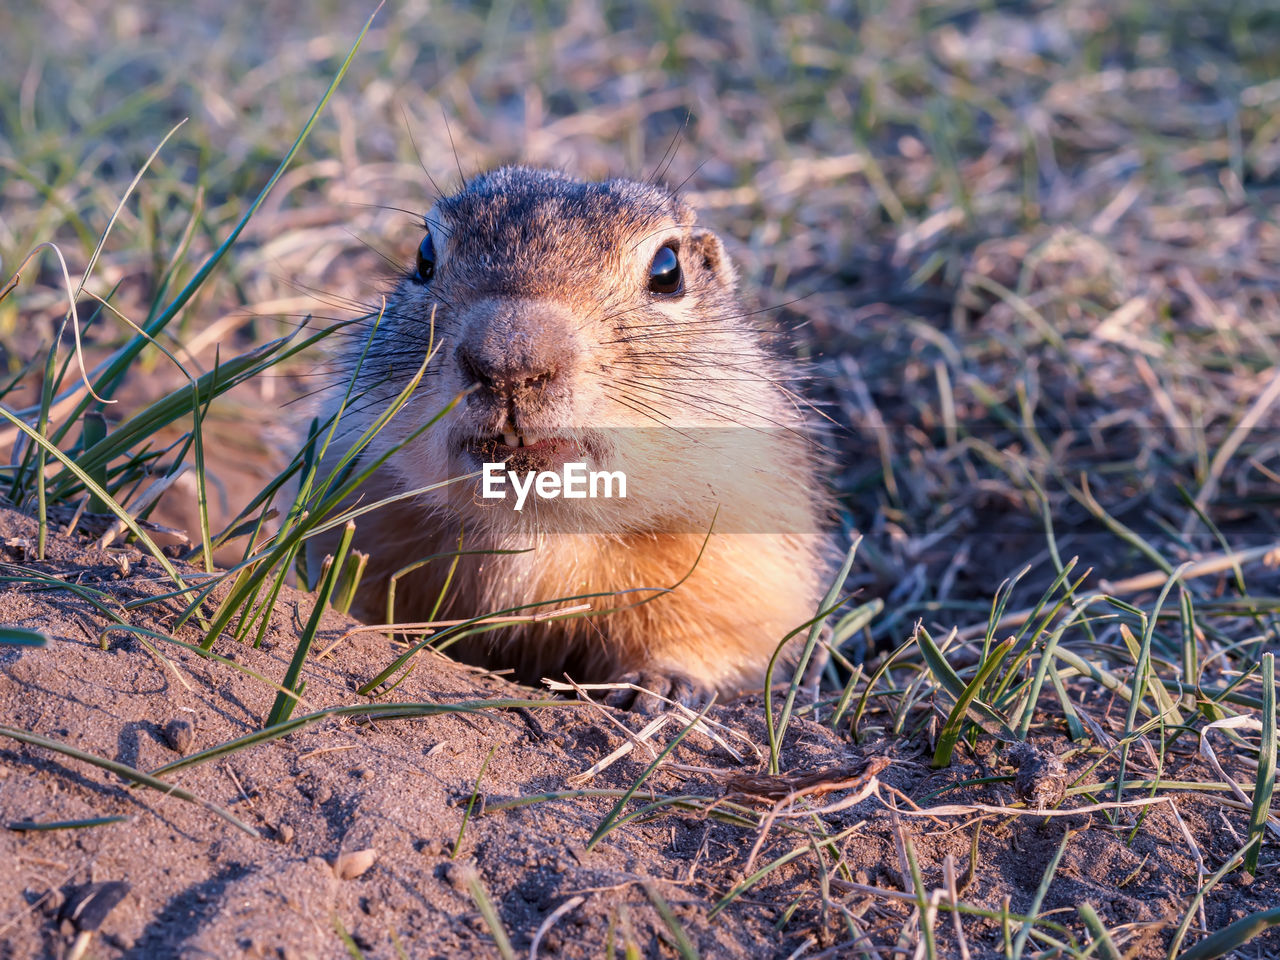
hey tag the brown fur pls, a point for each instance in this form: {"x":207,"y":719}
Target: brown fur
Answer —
{"x":539,"y":306}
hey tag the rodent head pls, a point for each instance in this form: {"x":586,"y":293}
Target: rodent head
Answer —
{"x":580,"y":321}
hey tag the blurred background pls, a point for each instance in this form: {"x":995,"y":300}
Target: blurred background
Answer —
{"x":1028,"y":251}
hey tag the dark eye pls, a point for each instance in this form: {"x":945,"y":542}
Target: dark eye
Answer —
{"x":426,"y":260}
{"x":664,"y":272}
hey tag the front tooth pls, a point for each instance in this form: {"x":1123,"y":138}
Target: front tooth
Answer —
{"x":529,"y":439}
{"x":509,"y":438}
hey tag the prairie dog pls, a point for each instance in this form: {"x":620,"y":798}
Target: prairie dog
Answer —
{"x":594,"y":323}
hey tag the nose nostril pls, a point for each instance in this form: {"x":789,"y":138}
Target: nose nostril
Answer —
{"x":472,"y":370}
{"x":501,"y":375}
{"x":538,"y":380}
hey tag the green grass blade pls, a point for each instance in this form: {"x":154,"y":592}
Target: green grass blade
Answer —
{"x":981,"y":713}
{"x":846,"y":695}
{"x":1190,"y":647}
{"x":928,"y":912}
{"x":1074,"y":727}
{"x":284,"y":704}
{"x":999,"y":602}
{"x":128,"y":773}
{"x":684,"y":946}
{"x":610,"y":820}
{"x":746,"y":884}
{"x":22,"y":637}
{"x":827,"y":605}
{"x":349,"y":582}
{"x":1265,"y":785}
{"x":1046,"y":654}
{"x":1231,"y":863}
{"x":198,"y":414}
{"x":1020,"y":942}
{"x":31,"y":825}
{"x":178,"y":403}
{"x":94,"y":431}
{"x":94,"y":598}
{"x":1101,"y":936}
{"x":353,"y":949}
{"x":1233,"y":937}
{"x":386,"y":711}
{"x":93,"y":488}
{"x":855,"y":620}
{"x":952,"y":729}
{"x":466,"y":814}
{"x":880,"y":671}
{"x":1142,"y":674}
{"x":1048,"y":595}
{"x":198,"y":651}
{"x":291,"y":536}
{"x":41,"y":481}
{"x":490,"y":913}
{"x":119,"y":363}
{"x":1103,"y":676}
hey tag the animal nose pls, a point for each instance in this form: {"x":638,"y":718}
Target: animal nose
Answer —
{"x":505,"y":372}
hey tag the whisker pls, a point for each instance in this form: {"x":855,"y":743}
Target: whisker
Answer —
{"x":384,"y":256}
{"x":680,"y":186}
{"x":454,"y":147}
{"x":629,"y":404}
{"x":673,"y":148}
{"x":408,"y":129}
{"x":728,"y":316}
{"x":704,"y":399}
{"x":416,"y":214}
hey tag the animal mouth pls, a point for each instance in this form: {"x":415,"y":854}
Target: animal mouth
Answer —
{"x":523,"y":451}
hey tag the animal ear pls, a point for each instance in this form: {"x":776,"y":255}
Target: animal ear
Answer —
{"x":708,"y":254}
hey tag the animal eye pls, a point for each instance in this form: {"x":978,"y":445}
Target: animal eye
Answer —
{"x":664,"y":272}
{"x":426,"y":260}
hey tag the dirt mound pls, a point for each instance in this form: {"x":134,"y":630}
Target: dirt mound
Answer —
{"x":358,"y":815}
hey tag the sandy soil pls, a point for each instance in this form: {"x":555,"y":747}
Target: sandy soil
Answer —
{"x":201,"y":887}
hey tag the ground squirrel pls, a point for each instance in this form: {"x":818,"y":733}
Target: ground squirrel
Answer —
{"x":595,"y":323}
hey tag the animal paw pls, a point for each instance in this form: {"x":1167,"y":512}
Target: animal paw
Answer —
{"x":656,"y":684}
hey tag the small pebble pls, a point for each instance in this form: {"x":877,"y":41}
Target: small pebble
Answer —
{"x":432,"y":848}
{"x":453,"y":875}
{"x":352,"y":864}
{"x":285,"y":833}
{"x":179,"y":734}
